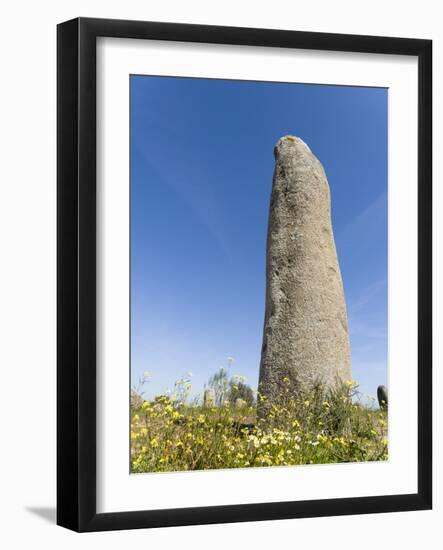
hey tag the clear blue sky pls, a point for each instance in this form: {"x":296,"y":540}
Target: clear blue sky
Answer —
{"x":201,"y":176}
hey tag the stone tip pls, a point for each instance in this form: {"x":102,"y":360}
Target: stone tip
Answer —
{"x":289,"y":141}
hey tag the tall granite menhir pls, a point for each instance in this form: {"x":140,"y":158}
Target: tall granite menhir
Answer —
{"x":305,"y":336}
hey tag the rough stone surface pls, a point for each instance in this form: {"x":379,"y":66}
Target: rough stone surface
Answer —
{"x":305,"y":337}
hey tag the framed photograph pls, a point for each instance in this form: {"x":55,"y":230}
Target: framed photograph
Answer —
{"x":244,"y":274}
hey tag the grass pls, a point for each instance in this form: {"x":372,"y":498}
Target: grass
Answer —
{"x":318,"y":427}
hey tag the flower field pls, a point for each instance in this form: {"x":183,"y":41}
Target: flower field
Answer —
{"x":319,"y":427}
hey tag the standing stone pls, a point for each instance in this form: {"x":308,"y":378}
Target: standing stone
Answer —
{"x":209,"y":398}
{"x":136,"y":400}
{"x":305,"y":337}
{"x":382,"y":396}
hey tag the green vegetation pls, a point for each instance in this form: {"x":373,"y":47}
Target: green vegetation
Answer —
{"x":171,"y":433}
{"x":230,"y":390}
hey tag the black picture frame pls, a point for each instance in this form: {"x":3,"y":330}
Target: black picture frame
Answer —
{"x":76,"y":274}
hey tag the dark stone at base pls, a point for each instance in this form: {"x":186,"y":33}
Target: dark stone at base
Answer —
{"x":382,"y":396}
